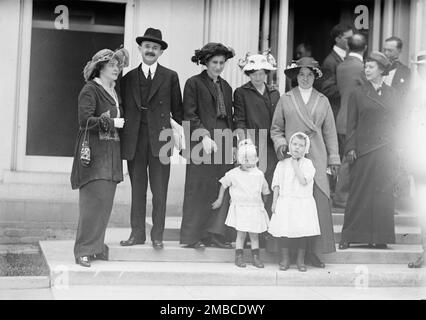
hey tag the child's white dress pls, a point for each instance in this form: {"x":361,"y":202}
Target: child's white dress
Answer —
{"x":296,"y":211}
{"x":246,"y":210}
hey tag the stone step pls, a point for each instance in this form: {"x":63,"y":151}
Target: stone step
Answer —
{"x":64,"y":272}
{"x":405,"y":234}
{"x":173,"y":252}
{"x":402,"y":218}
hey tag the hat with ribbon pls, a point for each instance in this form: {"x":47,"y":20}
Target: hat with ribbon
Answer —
{"x":121,"y":55}
{"x":306,"y":62}
{"x":247,"y":152}
{"x":254,"y":62}
{"x":153,"y":35}
{"x":212,"y":49}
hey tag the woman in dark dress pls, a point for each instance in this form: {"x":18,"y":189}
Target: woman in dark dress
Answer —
{"x":254,"y":106}
{"x":207,"y":103}
{"x":370,"y":148}
{"x":100,"y":118}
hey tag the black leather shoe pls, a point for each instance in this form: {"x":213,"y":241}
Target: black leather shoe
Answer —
{"x":131,"y":242}
{"x":196,"y":245}
{"x":344,"y":245}
{"x":157,"y":244}
{"x":215,"y":242}
{"x":416,"y":264}
{"x":83,"y":261}
{"x":314,"y":261}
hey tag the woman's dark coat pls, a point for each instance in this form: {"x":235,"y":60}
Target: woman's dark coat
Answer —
{"x":93,"y":102}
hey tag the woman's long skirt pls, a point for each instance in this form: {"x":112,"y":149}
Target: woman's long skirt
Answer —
{"x":95,"y":205}
{"x":325,"y":242}
{"x":201,"y":190}
{"x":369,"y":214}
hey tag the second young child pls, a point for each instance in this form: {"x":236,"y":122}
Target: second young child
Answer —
{"x":295,"y":216}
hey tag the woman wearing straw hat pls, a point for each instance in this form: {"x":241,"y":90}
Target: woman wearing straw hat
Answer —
{"x":97,"y":166}
{"x":305,"y":109}
{"x":370,"y":148}
{"x":413,"y":136}
{"x":207,"y":104}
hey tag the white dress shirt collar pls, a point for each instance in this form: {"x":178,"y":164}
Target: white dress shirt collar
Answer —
{"x":340,"y":52}
{"x":356,"y":55}
{"x":153,"y":67}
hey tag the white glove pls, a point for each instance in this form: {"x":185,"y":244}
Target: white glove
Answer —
{"x":119,"y":122}
{"x":209,"y":145}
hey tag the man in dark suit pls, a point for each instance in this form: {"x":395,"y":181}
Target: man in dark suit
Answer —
{"x":399,"y":74}
{"x":150,"y":93}
{"x":340,"y":35}
{"x":349,"y":75}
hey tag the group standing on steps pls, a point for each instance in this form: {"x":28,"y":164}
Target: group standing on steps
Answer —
{"x":269,"y":181}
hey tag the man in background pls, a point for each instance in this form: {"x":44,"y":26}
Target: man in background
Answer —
{"x":349,"y":74}
{"x":399,"y":74}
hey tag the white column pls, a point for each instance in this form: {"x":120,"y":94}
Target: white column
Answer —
{"x":235,"y":23}
{"x":376,"y":25}
{"x":282,"y":44}
{"x":265,"y":25}
{"x":388,"y":19}
{"x":10,"y":26}
{"x":417,"y":31}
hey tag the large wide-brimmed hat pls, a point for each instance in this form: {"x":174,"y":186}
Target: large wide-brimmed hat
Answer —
{"x":254,"y":62}
{"x":306,"y":62}
{"x":121,"y":55}
{"x":383,"y":61}
{"x":420,"y":57}
{"x":153,"y":35}
{"x":212,"y":49}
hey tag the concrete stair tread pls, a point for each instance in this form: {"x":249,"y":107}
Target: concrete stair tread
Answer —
{"x":64,"y":272}
{"x":175,"y":245}
{"x":398,"y":229}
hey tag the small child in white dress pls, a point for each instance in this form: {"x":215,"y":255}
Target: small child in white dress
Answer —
{"x":246,"y":211}
{"x":295,"y":215}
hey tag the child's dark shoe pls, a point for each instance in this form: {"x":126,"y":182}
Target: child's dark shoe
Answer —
{"x":239,"y":258}
{"x":256,"y":259}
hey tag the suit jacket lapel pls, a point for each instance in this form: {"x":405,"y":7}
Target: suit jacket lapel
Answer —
{"x":156,"y":82}
{"x":135,"y":87}
{"x":336,"y":56}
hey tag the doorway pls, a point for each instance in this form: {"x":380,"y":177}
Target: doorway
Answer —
{"x":54,"y":52}
{"x":310,"y":22}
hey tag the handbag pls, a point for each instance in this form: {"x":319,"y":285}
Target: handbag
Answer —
{"x":85,"y":158}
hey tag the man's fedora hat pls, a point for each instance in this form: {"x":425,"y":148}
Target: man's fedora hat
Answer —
{"x":153,"y":35}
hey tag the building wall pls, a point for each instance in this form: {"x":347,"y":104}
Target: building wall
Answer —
{"x":9,"y":55}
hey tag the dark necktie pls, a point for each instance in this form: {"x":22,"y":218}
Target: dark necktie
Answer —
{"x":149,"y":74}
{"x":379,"y":91}
{"x":221,"y":110}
